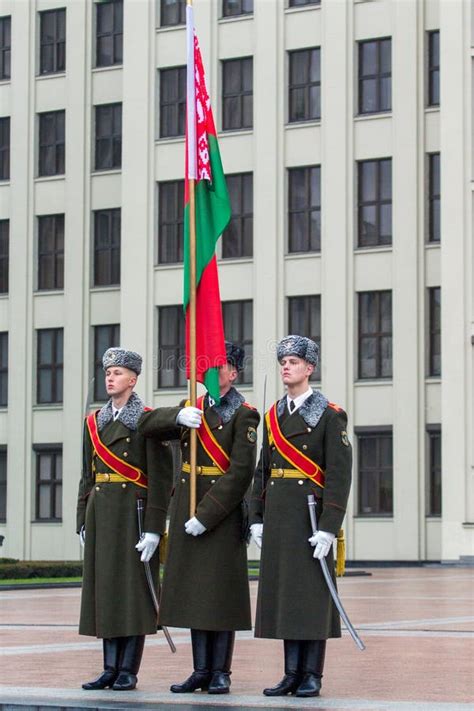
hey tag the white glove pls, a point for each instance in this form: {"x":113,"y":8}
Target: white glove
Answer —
{"x":82,"y":536}
{"x":148,"y":544}
{"x":323,"y":542}
{"x":194,"y":527}
{"x":189,"y":417}
{"x":256,"y":533}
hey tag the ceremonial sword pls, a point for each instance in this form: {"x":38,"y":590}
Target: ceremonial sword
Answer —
{"x":329,"y":580}
{"x":149,"y":577}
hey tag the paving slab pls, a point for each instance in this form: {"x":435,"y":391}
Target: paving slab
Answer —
{"x":417,"y":624}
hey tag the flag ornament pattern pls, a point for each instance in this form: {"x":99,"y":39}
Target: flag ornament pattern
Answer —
{"x":212,"y":214}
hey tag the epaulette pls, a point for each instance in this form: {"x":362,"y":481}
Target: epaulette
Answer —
{"x":333,"y":406}
{"x":147,"y":409}
{"x":250,"y":407}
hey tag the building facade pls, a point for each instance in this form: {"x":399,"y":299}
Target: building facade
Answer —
{"x":345,"y":129}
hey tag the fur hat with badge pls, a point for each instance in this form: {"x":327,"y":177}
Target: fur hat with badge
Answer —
{"x":235,"y":355}
{"x":299,"y":346}
{"x":121,"y":358}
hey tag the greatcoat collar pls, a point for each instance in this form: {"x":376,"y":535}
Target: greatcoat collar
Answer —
{"x":311,"y":410}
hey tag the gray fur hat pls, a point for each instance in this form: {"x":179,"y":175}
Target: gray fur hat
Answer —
{"x":121,"y":358}
{"x":299,"y":346}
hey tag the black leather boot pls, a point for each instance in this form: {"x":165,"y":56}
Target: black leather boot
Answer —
{"x":202,"y":649}
{"x":129,"y":664}
{"x":222,"y":651}
{"x":111,"y":649}
{"x":313,"y":665}
{"x":291,"y":680}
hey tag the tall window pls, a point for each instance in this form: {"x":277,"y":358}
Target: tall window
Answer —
{"x":49,"y":372}
{"x":232,"y":8}
{"x":375,"y":480}
{"x":433,"y":499}
{"x":109,"y":33}
{"x":433,"y":68}
{"x":304,"y":209}
{"x":104,"y":337}
{"x":172,"y":102}
{"x":171,"y":347}
{"x":52,"y":41}
{"x":434,"y":365}
{"x":375,"y":76}
{"x":170,"y":221}
{"x":5,"y":47}
{"x":237,"y":94}
{"x":375,"y":334}
{"x":108,"y":136}
{"x":300,"y":3}
{"x":304,"y":99}
{"x":4,"y":255}
{"x":172,"y":12}
{"x":51,"y":143}
{"x":107,"y":228}
{"x":51,"y":252}
{"x":49,"y":482}
{"x":5,"y":148}
{"x":434,"y":197}
{"x":3,"y":484}
{"x":4,"y":369}
{"x":238,"y":328}
{"x":304,"y":319}
{"x":237,"y":239}
{"x":374,"y":203}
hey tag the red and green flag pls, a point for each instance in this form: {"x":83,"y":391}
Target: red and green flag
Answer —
{"x":212,"y":214}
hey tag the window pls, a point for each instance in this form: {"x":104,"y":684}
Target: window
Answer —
{"x":108,"y":136}
{"x":49,"y":484}
{"x":433,"y":68}
{"x":4,"y":255}
{"x":237,"y":94}
{"x":375,"y":334}
{"x":304,"y":319}
{"x":232,"y":8}
{"x":3,"y":484}
{"x":109,"y":33}
{"x":170,"y":222}
{"x":52,"y":41}
{"x":104,"y":337}
{"x":434,"y":365}
{"x":238,"y":328}
{"x":300,"y":3}
{"x":434,"y":197}
{"x":171,"y":347}
{"x":375,"y":484}
{"x":51,"y":143}
{"x":51,"y":252}
{"x":304,"y":99}
{"x":237,"y":239}
{"x":5,"y":148}
{"x":107,"y":228}
{"x":375,"y":76}
{"x":374,"y":203}
{"x":5,"y":47}
{"x":173,"y":12}
{"x":49,"y":377}
{"x":433,"y":499}
{"x":3,"y":369}
{"x":172,"y":102}
{"x":304,"y":209}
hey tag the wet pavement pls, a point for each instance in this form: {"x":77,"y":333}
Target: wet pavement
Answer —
{"x":417,"y":624}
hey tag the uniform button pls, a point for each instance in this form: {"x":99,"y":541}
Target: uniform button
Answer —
{"x":185,"y":444}
{"x":124,"y":486}
{"x":220,"y":427}
{"x":165,"y":444}
{"x":305,"y":446}
{"x":280,"y":472}
{"x":213,"y":481}
{"x":300,"y":481}
{"x":308,"y":429}
{"x":198,"y":470}
{"x":125,"y":454}
{"x":273,"y":447}
{"x":272,"y":483}
{"x":97,"y":488}
{"x":128,"y":439}
{"x":183,"y":480}
{"x":273,"y":465}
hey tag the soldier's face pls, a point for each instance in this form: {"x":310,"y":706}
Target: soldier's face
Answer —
{"x":119,"y":380}
{"x":227,"y":376}
{"x":295,"y":370}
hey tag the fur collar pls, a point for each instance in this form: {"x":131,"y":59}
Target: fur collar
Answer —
{"x":129,"y":415}
{"x":228,"y":405}
{"x":311,"y":410}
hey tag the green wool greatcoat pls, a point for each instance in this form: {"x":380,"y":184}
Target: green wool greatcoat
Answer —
{"x":205,"y":584}
{"x":293,"y":599}
{"x":116,"y":600}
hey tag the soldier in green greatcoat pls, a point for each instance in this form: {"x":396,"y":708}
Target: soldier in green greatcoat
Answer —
{"x":120,"y":466}
{"x":205,"y":585}
{"x":294,"y":603}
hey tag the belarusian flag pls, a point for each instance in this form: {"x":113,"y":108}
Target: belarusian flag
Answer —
{"x":212,"y":214}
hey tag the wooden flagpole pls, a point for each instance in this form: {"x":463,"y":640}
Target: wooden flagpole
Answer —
{"x":192,"y":336}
